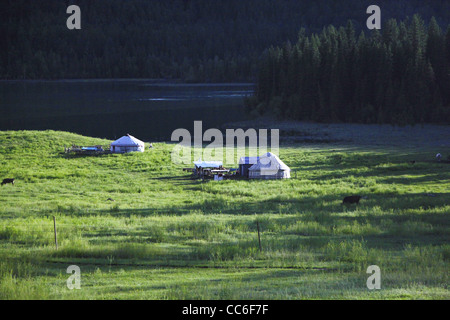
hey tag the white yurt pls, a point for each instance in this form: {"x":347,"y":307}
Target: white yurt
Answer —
{"x":269,"y":166}
{"x":127,"y":143}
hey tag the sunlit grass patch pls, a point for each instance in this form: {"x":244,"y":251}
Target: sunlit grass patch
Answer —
{"x":139,"y":227}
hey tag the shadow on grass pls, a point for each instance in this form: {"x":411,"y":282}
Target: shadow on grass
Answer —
{"x":320,"y":204}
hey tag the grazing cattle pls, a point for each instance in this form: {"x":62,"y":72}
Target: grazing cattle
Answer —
{"x":351,"y":199}
{"x":5,"y":181}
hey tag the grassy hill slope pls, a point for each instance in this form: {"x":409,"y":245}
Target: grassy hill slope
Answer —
{"x":166,"y":236}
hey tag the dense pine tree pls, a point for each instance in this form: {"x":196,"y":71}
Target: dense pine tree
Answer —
{"x":399,"y":75}
{"x":199,"y":40}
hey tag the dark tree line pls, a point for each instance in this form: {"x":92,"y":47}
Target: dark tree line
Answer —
{"x":191,"y":40}
{"x":399,"y":74}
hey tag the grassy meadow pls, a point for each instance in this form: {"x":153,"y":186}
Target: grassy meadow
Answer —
{"x":167,"y":236}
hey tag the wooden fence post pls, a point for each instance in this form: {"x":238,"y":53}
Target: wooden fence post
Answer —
{"x":54,"y":228}
{"x":259,"y":236}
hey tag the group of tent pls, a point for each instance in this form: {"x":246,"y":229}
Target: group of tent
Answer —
{"x":267,"y":166}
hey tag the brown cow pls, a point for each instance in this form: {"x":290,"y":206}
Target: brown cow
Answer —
{"x":8,"y":180}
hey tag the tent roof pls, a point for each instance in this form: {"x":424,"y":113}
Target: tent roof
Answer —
{"x":248,"y":160}
{"x":269,"y":161}
{"x":128,"y":141}
{"x":208,"y":164}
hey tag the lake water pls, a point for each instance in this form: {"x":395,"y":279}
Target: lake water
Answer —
{"x":148,"y":109}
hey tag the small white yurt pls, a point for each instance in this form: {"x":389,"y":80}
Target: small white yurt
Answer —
{"x":127,"y":143}
{"x":269,"y":166}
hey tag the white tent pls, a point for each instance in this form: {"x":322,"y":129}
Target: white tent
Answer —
{"x":269,"y":166}
{"x":208,"y":164}
{"x":127,"y":143}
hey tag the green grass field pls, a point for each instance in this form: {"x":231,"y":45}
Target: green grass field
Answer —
{"x":166,"y":236}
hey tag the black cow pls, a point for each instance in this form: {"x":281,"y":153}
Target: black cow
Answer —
{"x":5,"y":181}
{"x":351,"y":199}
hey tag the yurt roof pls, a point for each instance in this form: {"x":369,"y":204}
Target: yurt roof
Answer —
{"x":128,"y":140}
{"x":269,"y":161}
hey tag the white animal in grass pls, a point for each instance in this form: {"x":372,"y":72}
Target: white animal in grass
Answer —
{"x":438,"y":157}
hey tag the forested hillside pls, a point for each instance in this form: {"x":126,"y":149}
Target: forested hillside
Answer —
{"x":199,"y":40}
{"x":400,"y":75}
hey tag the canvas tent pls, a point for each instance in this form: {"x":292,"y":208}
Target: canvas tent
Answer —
{"x":127,"y":143}
{"x":245,"y":163}
{"x":208,"y":164}
{"x":269,"y":166}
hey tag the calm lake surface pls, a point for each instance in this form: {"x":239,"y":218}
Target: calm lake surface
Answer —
{"x":148,"y":109}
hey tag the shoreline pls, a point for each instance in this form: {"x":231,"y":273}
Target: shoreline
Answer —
{"x":423,"y":135}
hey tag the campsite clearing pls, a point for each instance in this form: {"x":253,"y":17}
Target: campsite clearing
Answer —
{"x":166,"y":236}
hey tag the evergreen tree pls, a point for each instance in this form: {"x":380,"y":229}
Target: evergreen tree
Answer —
{"x":398,"y":75}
